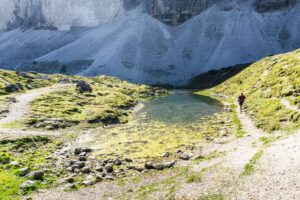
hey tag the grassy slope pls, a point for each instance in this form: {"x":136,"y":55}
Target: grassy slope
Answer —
{"x":264,"y":83}
{"x":111,"y":98}
{"x":108,"y":103}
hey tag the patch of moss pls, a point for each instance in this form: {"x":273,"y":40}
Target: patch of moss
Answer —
{"x":250,"y":166}
{"x":213,"y":197}
{"x":194,"y":177}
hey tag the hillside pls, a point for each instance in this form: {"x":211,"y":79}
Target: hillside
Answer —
{"x":109,"y":102}
{"x":272,"y":88}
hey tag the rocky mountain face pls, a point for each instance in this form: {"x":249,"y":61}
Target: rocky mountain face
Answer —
{"x":54,"y":14}
{"x":172,"y":12}
{"x":148,"y":41}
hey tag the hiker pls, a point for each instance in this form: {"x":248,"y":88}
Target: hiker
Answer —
{"x":241,"y":101}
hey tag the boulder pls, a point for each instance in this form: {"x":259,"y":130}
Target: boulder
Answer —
{"x":65,"y":81}
{"x":23,"y":171}
{"x":20,"y":86}
{"x":83,"y":86}
{"x":12,"y":88}
{"x":25,"y":75}
{"x":36,"y":175}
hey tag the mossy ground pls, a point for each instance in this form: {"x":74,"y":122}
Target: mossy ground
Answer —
{"x":34,"y":153}
{"x":36,"y":80}
{"x":109,"y":103}
{"x":264,"y":83}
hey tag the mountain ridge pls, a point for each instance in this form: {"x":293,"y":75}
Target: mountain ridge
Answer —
{"x":136,"y":46}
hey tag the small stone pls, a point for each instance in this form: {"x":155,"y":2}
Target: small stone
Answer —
{"x":81,"y":164}
{"x":158,"y":166}
{"x":128,"y":160}
{"x":70,"y":186}
{"x":86,"y":170}
{"x":149,"y":165}
{"x":109,"y":177}
{"x":89,"y":182}
{"x":82,"y":158}
{"x":29,"y":87}
{"x":27,"y":183}
{"x":118,"y":162}
{"x":77,"y":151}
{"x":69,"y":180}
{"x":76,"y":170}
{"x":99,"y":178}
{"x":15,"y":164}
{"x":184,"y":156}
{"x":109,"y":168}
{"x":99,"y":169}
{"x":166,"y":155}
{"x":82,"y":154}
{"x":179,"y":151}
{"x":170,"y":164}
{"x":23,"y":171}
{"x":86,"y":150}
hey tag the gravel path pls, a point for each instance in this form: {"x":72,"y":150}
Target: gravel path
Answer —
{"x":19,"y":109}
{"x":278,"y":177}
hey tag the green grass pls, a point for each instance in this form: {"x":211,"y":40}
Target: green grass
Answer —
{"x":213,"y":197}
{"x":250,"y":166}
{"x":193,"y":177}
{"x":239,"y":132}
{"x":210,"y":156}
{"x":32,"y":153}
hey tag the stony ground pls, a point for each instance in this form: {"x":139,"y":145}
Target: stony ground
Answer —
{"x":229,"y":169}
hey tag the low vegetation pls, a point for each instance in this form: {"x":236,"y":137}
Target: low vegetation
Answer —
{"x":108,"y":103}
{"x":265,"y":83}
{"x":22,"y":156}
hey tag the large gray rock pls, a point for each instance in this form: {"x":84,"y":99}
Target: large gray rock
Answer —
{"x":36,"y":175}
{"x":27,"y":183}
{"x":12,"y":88}
{"x":83,"y":86}
{"x":25,"y":75}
